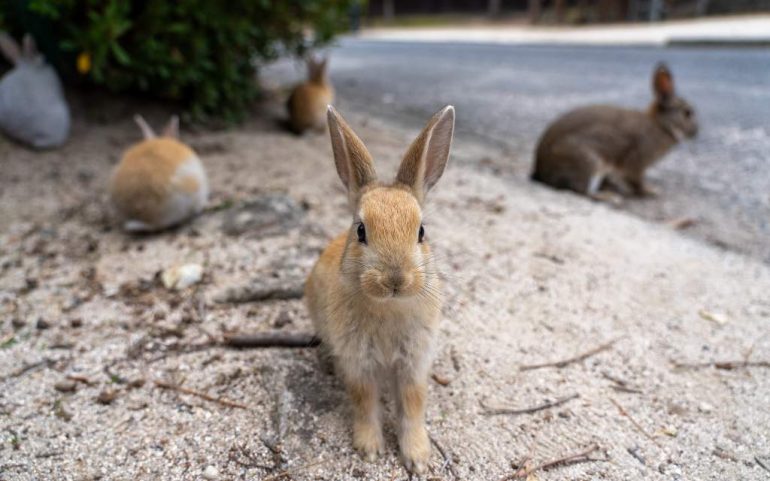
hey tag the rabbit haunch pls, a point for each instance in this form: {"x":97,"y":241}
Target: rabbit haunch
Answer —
{"x":159,"y":182}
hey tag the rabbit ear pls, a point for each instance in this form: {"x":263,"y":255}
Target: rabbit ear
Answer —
{"x":147,"y":131}
{"x":29,"y":47}
{"x":353,"y":161}
{"x":662,"y":82}
{"x":322,"y":65}
{"x":172,"y":128}
{"x":426,"y":158}
{"x":10,"y":48}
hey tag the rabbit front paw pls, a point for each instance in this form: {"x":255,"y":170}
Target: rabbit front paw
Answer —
{"x":367,"y":438}
{"x":415,"y":449}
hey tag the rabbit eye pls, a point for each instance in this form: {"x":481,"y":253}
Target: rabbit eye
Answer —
{"x":687,"y":113}
{"x":361,"y":233}
{"x":421,"y":234}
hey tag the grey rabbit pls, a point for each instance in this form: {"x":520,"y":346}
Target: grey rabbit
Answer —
{"x":33,"y":109}
{"x":584,"y":147}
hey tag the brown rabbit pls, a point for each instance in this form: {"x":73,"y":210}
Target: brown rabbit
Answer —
{"x":584,"y":147}
{"x":374,"y":294}
{"x":159,"y":182}
{"x":308,"y":101}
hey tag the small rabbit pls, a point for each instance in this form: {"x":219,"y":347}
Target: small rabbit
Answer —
{"x":159,"y":182}
{"x":33,"y":109}
{"x":308,"y":101}
{"x":584,"y":147}
{"x":374,"y":295}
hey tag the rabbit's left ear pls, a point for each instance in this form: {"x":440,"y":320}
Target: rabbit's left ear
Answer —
{"x":426,"y":158}
{"x":147,"y":131}
{"x":172,"y":128}
{"x":10,"y":48}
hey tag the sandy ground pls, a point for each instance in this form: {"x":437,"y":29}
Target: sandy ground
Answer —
{"x":532,"y":276}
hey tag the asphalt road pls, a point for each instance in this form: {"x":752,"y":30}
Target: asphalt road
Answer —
{"x":506,"y":95}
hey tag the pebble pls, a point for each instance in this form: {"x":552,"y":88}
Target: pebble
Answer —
{"x":65,"y":385}
{"x":107,"y":396}
{"x":705,"y":407}
{"x":211,"y":473}
{"x":42,"y":324}
{"x":182,"y":277}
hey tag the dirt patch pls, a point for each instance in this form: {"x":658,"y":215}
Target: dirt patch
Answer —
{"x":532,"y":277}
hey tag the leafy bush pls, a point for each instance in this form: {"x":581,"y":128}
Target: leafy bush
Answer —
{"x":203,"y":53}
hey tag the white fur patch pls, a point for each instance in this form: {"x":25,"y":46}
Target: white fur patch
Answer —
{"x":181,"y":205}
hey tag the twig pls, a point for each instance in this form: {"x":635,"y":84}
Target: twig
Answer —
{"x":578,"y":358}
{"x":271,"y":339}
{"x":202,"y":395}
{"x":287,"y":472}
{"x":580,"y":457}
{"x":634,"y":451}
{"x":489,"y":411}
{"x":440,"y":380}
{"x":76,"y":378}
{"x":724,"y":365}
{"x":261,"y":293}
{"x":620,"y":384}
{"x":638,"y":426}
{"x":29,"y":367}
{"x":762,"y":463}
{"x":447,"y":458}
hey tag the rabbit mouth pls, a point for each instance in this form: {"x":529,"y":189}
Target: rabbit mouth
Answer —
{"x":391,"y":285}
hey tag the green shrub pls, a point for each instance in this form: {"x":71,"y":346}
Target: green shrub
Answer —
{"x":203,"y":53}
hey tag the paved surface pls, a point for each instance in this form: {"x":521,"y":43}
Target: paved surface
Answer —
{"x":753,"y":28}
{"x":505,"y":96}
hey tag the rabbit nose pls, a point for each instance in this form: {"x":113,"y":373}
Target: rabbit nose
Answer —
{"x":395,"y":280}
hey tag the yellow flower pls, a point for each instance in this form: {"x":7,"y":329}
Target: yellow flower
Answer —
{"x":84,"y":63}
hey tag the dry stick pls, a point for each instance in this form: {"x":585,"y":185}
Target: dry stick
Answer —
{"x":76,"y":378}
{"x":287,"y":472}
{"x":725,"y":365}
{"x":203,"y":395}
{"x":261,"y":293}
{"x":578,"y":358}
{"x":558,"y":402}
{"x":762,"y":463}
{"x":271,"y":339}
{"x":447,"y":459}
{"x":571,"y":459}
{"x":638,"y":426}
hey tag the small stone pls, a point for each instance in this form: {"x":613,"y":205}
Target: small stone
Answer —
{"x":283,"y":319}
{"x":705,"y":407}
{"x":65,"y":385}
{"x":107,"y":396}
{"x":136,"y":382}
{"x":211,"y":473}
{"x":76,"y":322}
{"x":18,"y":323}
{"x":182,"y":277}
{"x":42,"y":324}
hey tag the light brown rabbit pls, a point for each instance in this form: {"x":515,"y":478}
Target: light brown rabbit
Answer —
{"x":308,"y":101}
{"x":589,"y":145}
{"x":374,"y":295}
{"x":159,"y":182}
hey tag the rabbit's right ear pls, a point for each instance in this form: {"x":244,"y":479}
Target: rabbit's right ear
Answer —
{"x":353,"y":161}
{"x":663,"y":83}
{"x":147,"y":131}
{"x":29,"y":47}
{"x":172,"y":128}
{"x":10,"y":48}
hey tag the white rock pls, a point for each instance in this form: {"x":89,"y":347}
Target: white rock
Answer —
{"x":211,"y":473}
{"x":182,"y":276}
{"x":705,"y":407}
